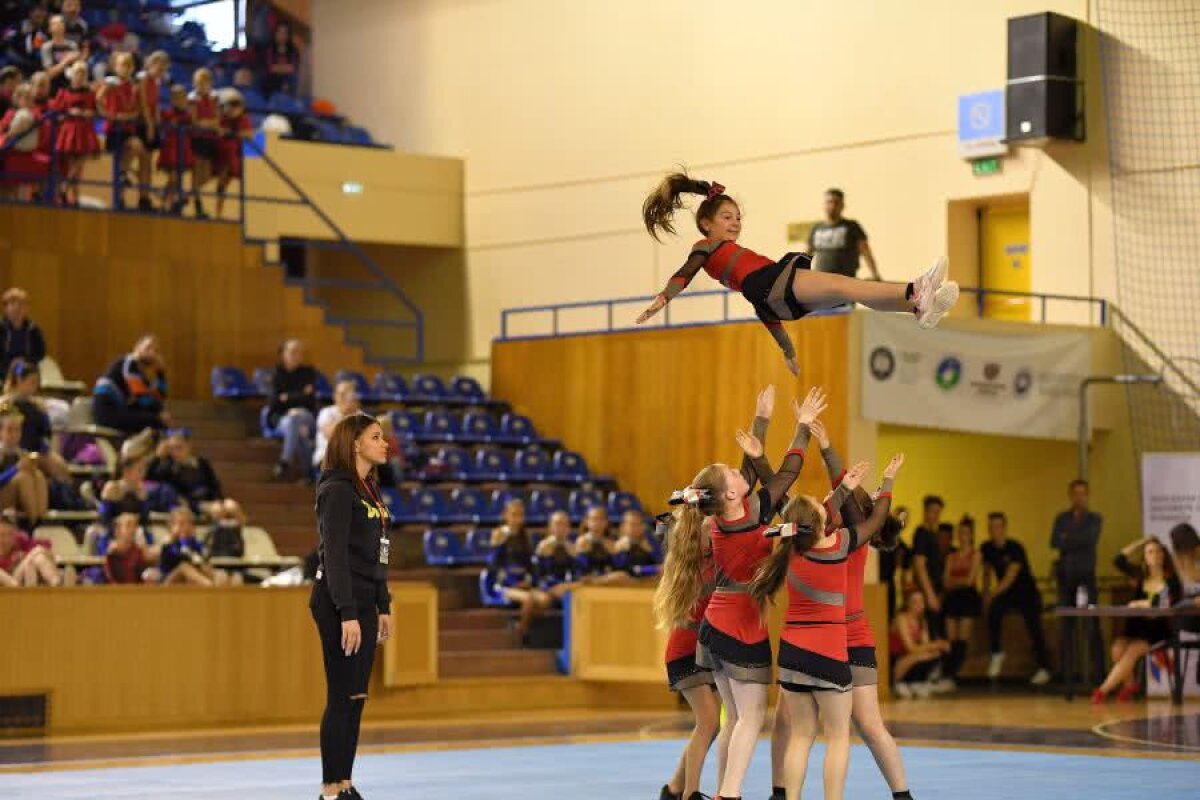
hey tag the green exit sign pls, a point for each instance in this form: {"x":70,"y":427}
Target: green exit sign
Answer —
{"x":985,"y":166}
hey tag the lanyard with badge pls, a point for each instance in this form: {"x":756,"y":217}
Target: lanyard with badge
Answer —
{"x":385,"y":544}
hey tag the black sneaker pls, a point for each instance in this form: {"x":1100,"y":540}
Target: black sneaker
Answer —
{"x":352,"y":793}
{"x":667,"y":794}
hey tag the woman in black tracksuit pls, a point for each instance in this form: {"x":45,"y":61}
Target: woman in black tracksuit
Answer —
{"x":350,"y":600}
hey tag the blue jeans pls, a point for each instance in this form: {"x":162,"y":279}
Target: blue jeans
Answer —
{"x":299,"y":432}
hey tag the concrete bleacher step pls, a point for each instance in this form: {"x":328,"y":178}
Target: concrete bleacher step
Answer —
{"x":252,"y":493}
{"x":191,"y":410}
{"x":299,"y":513}
{"x":205,"y":429}
{"x":237,"y":471}
{"x":246,"y":450}
{"x":492,"y":663}
{"x":475,"y":619}
{"x":456,"y":641}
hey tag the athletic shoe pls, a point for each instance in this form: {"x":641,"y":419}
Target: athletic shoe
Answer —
{"x":904,"y":691}
{"x":928,"y":282}
{"x":1041,"y":677}
{"x":944,"y":298}
{"x":922,"y":690}
{"x":1128,"y":692}
{"x":667,"y":794}
{"x":1098,"y":697}
{"x":996,"y":664}
{"x":943,"y":686}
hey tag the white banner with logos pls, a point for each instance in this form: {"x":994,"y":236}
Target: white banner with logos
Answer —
{"x":1170,"y":495}
{"x":1013,"y":384}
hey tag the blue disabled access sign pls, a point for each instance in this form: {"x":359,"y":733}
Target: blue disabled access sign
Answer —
{"x":981,"y":124}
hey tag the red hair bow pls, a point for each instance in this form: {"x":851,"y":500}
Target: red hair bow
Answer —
{"x":715,"y":189}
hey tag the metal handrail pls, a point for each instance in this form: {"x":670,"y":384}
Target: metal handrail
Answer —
{"x":1167,"y":363}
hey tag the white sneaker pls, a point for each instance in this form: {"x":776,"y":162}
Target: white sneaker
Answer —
{"x":995,"y":665}
{"x":922,"y":690}
{"x":904,"y":691}
{"x":943,"y":686}
{"x":927,"y":283}
{"x":1041,"y":677}
{"x":944,"y":298}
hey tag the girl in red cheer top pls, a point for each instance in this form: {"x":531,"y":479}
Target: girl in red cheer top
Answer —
{"x":235,"y":126}
{"x":778,"y":290}
{"x":733,"y":637}
{"x":149,"y":84}
{"x":814,"y":665}
{"x":77,"y":139}
{"x":206,"y":126}
{"x":175,"y":155}
{"x":122,"y":111}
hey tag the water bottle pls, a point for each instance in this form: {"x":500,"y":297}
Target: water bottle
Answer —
{"x":1081,"y":597}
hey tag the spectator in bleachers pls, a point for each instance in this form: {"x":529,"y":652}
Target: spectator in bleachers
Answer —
{"x":183,"y":558}
{"x":1016,"y":590}
{"x":25,"y":47}
{"x":59,"y":53}
{"x":510,"y":566}
{"x":205,"y":109}
{"x":556,"y":557}
{"x":76,"y":26}
{"x":24,"y":166}
{"x":10,"y":79}
{"x":191,"y":476}
{"x":391,"y":473}
{"x":131,"y":394}
{"x":226,"y":538}
{"x":595,"y":545}
{"x":149,"y":85}
{"x":281,"y":58}
{"x":345,"y":403}
{"x":175,"y":152}
{"x":77,"y":141}
{"x":122,"y":111}
{"x":22,"y":338}
{"x":23,"y":484}
{"x":1186,"y":544}
{"x":1155,"y":585}
{"x":39,"y":81}
{"x":235,"y":128}
{"x":929,"y":563}
{"x":914,"y":651}
{"x":26,"y":562}
{"x":21,"y":386}
{"x":125,"y":560}
{"x":634,"y":542}
{"x":963,"y":602}
{"x":293,"y":409}
{"x":129,"y":493}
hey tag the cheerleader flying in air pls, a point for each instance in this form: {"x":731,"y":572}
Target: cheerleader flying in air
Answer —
{"x":778,"y":290}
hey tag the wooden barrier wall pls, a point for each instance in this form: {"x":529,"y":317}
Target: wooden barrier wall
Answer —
{"x":153,"y":657}
{"x":613,"y":636}
{"x":653,"y":407}
{"x":98,"y":280}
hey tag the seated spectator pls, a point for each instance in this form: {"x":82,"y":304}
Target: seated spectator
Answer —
{"x":1156,"y":585}
{"x":191,"y":476}
{"x":293,"y":409}
{"x":76,"y":26}
{"x":183,"y":558}
{"x":21,"y":336}
{"x":1186,"y":544}
{"x":25,"y":47}
{"x":510,"y":566}
{"x":634,"y":543}
{"x":21,"y":385}
{"x":23,"y":482}
{"x":129,"y":493}
{"x":345,"y":403}
{"x":125,"y":560}
{"x":914,"y":654}
{"x":963,"y":603}
{"x":281,"y":58}
{"x":1016,"y":590}
{"x":58,"y":53}
{"x":131,"y":395}
{"x":10,"y":79}
{"x":595,"y":547}
{"x":25,"y":562}
{"x":226,"y":538}
{"x":555,"y":566}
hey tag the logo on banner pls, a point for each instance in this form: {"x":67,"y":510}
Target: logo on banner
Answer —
{"x":991,"y":370}
{"x":883,"y":363}
{"x":949,"y":373}
{"x":1022,"y":381}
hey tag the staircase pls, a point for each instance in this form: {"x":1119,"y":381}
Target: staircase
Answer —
{"x":477,"y":642}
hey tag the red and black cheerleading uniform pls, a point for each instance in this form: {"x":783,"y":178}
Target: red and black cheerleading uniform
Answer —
{"x":766,"y":283}
{"x":205,"y":108}
{"x":76,"y":134}
{"x":176,"y":149}
{"x":120,"y":99}
{"x":814,"y":645}
{"x":148,"y":94}
{"x":229,"y":147}
{"x":682,"y":670}
{"x":733,"y":637}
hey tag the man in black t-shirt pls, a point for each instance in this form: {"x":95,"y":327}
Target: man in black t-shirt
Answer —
{"x":1015,"y":590}
{"x":929,"y":563}
{"x":836,"y":244}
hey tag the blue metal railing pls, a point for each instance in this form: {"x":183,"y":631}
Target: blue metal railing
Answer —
{"x":1097,"y":311}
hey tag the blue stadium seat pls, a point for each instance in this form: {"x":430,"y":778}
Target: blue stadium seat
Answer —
{"x":581,"y":500}
{"x":322,"y":389}
{"x":620,"y":502}
{"x":390,"y":387}
{"x":428,"y":389}
{"x":479,"y":427}
{"x":264,"y":424}
{"x":253,"y":98}
{"x":466,"y":505}
{"x":231,"y":383}
{"x":429,"y":505}
{"x":531,"y":464}
{"x":568,"y":466}
{"x":646,"y":570}
{"x":281,"y":103}
{"x":365,"y":393}
{"x":492,"y":464}
{"x":399,"y":506}
{"x":407,"y":425}
{"x":357,"y":135}
{"x":516,"y":429}
{"x":478,"y":545}
{"x":442,"y":548}
{"x":455,"y":463}
{"x":543,"y":503}
{"x":441,"y":426}
{"x":263,"y":380}
{"x":467,"y":389}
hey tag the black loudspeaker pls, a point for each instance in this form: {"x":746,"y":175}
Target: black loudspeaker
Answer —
{"x":1043,"y":98}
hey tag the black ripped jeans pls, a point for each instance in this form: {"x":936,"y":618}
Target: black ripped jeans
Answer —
{"x":345,"y":677}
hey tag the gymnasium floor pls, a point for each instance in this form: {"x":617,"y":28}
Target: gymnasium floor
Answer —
{"x":967,"y":747}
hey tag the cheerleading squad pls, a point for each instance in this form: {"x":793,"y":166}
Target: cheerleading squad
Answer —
{"x":725,"y":561}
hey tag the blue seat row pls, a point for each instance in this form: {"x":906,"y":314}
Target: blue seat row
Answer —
{"x":467,"y":505}
{"x":232,"y":383}
{"x":490,"y":464}
{"x":474,"y":427}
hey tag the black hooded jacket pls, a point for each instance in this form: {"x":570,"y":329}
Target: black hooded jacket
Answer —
{"x":350,"y":529}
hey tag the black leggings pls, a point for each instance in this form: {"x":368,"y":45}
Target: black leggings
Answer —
{"x":1029,"y":606}
{"x":345,"y":677}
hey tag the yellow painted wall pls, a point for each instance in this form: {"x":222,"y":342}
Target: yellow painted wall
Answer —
{"x":568,"y":112}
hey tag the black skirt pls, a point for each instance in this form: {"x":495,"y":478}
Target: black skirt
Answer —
{"x":684,"y":673}
{"x":758,"y":284}
{"x":719,"y":651}
{"x":803,"y":670}
{"x":962,"y":603}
